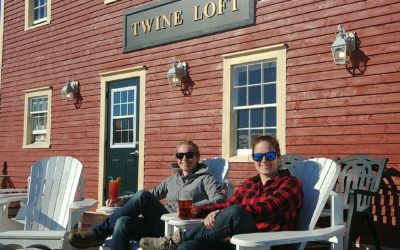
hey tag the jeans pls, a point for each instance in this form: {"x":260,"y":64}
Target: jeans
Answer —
{"x":125,"y":224}
{"x":230,"y":221}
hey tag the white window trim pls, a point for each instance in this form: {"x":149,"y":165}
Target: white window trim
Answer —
{"x":260,"y":54}
{"x":29,"y":22}
{"x":27,"y":137}
{"x":123,"y":145}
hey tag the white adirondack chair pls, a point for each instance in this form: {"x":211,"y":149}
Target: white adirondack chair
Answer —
{"x":50,"y":209}
{"x":318,"y":177}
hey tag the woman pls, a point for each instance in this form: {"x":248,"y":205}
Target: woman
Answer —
{"x":125,"y":224}
{"x":269,"y":201}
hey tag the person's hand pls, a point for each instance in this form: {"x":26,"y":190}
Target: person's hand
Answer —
{"x":210,"y":219}
{"x":115,"y":203}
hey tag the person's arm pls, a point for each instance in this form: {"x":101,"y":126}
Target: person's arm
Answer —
{"x":200,"y":212}
{"x":213,"y":191}
{"x":160,"y":191}
{"x":288,"y":196}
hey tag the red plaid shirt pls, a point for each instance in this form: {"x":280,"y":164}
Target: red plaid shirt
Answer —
{"x":274,"y":206}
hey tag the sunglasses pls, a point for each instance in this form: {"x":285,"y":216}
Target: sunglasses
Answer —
{"x":269,"y":156}
{"x":189,"y":155}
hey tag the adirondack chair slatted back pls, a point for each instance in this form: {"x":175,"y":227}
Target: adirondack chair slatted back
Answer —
{"x":219,"y":168}
{"x":360,"y":172}
{"x":318,"y":177}
{"x":52,"y":189}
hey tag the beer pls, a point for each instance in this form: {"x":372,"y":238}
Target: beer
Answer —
{"x":184,"y":209}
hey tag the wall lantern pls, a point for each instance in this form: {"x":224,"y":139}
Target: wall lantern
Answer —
{"x":343,"y":46}
{"x":70,"y":91}
{"x":176,"y":73}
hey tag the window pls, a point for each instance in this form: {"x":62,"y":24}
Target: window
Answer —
{"x":37,"y":13}
{"x":37,"y":118}
{"x":254,"y":99}
{"x":123,"y":120}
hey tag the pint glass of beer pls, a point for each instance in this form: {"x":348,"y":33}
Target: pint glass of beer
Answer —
{"x":184,"y":205}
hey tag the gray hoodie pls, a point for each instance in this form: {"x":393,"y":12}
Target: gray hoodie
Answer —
{"x":200,"y":183}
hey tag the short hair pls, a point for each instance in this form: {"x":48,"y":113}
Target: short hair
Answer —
{"x":267,"y":138}
{"x":190,"y":143}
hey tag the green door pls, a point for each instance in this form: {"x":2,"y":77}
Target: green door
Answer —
{"x":122,"y":145}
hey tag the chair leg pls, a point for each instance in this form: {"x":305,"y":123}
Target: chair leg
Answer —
{"x":372,"y":229}
{"x":348,"y":238}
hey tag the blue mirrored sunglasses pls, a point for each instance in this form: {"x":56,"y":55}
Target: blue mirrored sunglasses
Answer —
{"x":269,"y":156}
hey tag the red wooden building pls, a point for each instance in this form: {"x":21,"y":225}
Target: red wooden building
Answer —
{"x":272,"y":73}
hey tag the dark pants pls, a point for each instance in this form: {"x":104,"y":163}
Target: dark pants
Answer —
{"x":230,"y":221}
{"x":125,"y":224}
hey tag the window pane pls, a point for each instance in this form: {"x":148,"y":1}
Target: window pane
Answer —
{"x":254,"y":95}
{"x":41,"y":12}
{"x":125,"y":124}
{"x":116,"y":110}
{"x":124,"y":97}
{"x":256,"y":118}
{"x":255,"y":73}
{"x":123,"y":109}
{"x":243,"y":118}
{"x":130,"y":108}
{"x":269,"y":71}
{"x":255,"y":132}
{"x":40,"y":104}
{"x":125,"y":136}
{"x":117,"y":97}
{"x":240,"y":96}
{"x":44,"y":11}
{"x":270,"y":132}
{"x":242,"y":139}
{"x":35,"y":3}
{"x":45,"y":105}
{"x":239,"y":76}
{"x":130,"y":136}
{"x":42,"y":2}
{"x":33,"y":105}
{"x":269,"y":93}
{"x":270,"y":114}
{"x":130,"y":95}
{"x":130,"y":123}
{"x":117,"y":124}
{"x":117,"y":137}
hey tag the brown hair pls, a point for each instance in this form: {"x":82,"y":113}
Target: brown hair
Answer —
{"x":190,"y":143}
{"x":268,"y":138}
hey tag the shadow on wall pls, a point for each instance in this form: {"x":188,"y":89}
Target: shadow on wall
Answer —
{"x":386,"y":209}
{"x":359,"y":61}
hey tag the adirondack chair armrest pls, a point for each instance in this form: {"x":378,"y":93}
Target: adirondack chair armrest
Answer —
{"x":13,"y":190}
{"x":337,"y":207}
{"x":77,"y":209}
{"x":18,"y":197}
{"x":267,"y":239}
